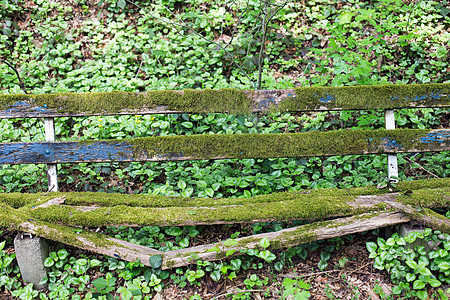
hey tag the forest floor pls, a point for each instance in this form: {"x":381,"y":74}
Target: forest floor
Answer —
{"x":349,"y":274}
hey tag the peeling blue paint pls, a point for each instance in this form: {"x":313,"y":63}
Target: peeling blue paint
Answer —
{"x":436,"y":137}
{"x":329,"y":98}
{"x":266,"y":102}
{"x":433,"y":96}
{"x":25,"y":108}
{"x":390,"y":144}
{"x":60,"y":152}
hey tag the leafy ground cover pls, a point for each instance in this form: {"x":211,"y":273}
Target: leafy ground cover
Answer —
{"x":84,"y":45}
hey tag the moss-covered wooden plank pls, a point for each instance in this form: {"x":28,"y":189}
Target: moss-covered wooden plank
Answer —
{"x":300,"y":207}
{"x":419,"y":187}
{"x":14,"y":219}
{"x":423,"y":215}
{"x":99,"y":243}
{"x":227,"y":100}
{"x":284,"y":238}
{"x":191,"y":147}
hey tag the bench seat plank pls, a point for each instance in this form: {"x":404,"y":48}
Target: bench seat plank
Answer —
{"x":195,"y":147}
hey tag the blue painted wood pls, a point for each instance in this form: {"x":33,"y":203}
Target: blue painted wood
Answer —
{"x":228,"y":146}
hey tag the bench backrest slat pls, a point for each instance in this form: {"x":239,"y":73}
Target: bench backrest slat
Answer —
{"x":381,"y":97}
{"x":344,"y":142}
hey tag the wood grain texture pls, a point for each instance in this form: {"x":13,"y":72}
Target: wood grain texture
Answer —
{"x":423,"y":215}
{"x":192,"y":147}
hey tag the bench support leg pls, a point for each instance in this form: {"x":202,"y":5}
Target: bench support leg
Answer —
{"x":389,"y":118}
{"x":31,"y":251}
{"x":49,"y":125}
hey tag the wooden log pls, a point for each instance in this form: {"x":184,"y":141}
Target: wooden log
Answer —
{"x":423,"y":215}
{"x":226,"y":100}
{"x":172,"y":148}
{"x":284,"y":238}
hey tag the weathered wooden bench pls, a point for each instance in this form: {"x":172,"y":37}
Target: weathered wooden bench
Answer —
{"x":59,"y":216}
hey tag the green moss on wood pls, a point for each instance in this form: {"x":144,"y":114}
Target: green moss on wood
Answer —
{"x":368,"y":97}
{"x":311,"y":208}
{"x":225,"y":100}
{"x":283,"y":145}
{"x":17,"y":200}
{"x":238,"y":101}
{"x":141,"y":200}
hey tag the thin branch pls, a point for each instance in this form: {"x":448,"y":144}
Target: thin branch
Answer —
{"x":21,"y":84}
{"x":263,"y":43}
{"x":237,"y":292}
{"x":420,"y":167}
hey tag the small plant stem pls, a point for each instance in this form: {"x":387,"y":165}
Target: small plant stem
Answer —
{"x":263,"y":42}
{"x":21,"y":84}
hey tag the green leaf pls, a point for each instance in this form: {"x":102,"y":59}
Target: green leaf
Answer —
{"x":418,"y":284}
{"x":125,"y":294}
{"x":215,"y":275}
{"x":411,"y":263}
{"x":187,"y":124}
{"x":267,"y":256}
{"x":181,"y":184}
{"x":155,"y":261}
{"x":209,"y":192}
{"x":48,"y":262}
{"x":213,"y":249}
{"x":423,"y":295}
{"x":401,"y":241}
{"x":264,"y":243}
{"x":322,"y":265}
{"x":62,"y":254}
{"x":100,"y":283}
{"x":390,"y":242}
{"x":121,"y":3}
{"x":424,"y":271}
{"x":235,"y":264}
{"x":433,"y":282}
{"x":174,"y":231}
{"x":410,"y":277}
{"x":346,"y":17}
{"x":2,"y":245}
{"x":371,"y":247}
{"x":184,"y":243}
{"x":381,"y":243}
{"x":325,"y":255}
{"x":378,"y":263}
{"x":410,"y":238}
{"x":95,"y":263}
{"x":230,"y":242}
{"x":445,"y":265}
{"x":278,"y":266}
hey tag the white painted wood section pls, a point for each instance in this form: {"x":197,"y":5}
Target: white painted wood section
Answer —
{"x":49,"y":125}
{"x":389,"y":118}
